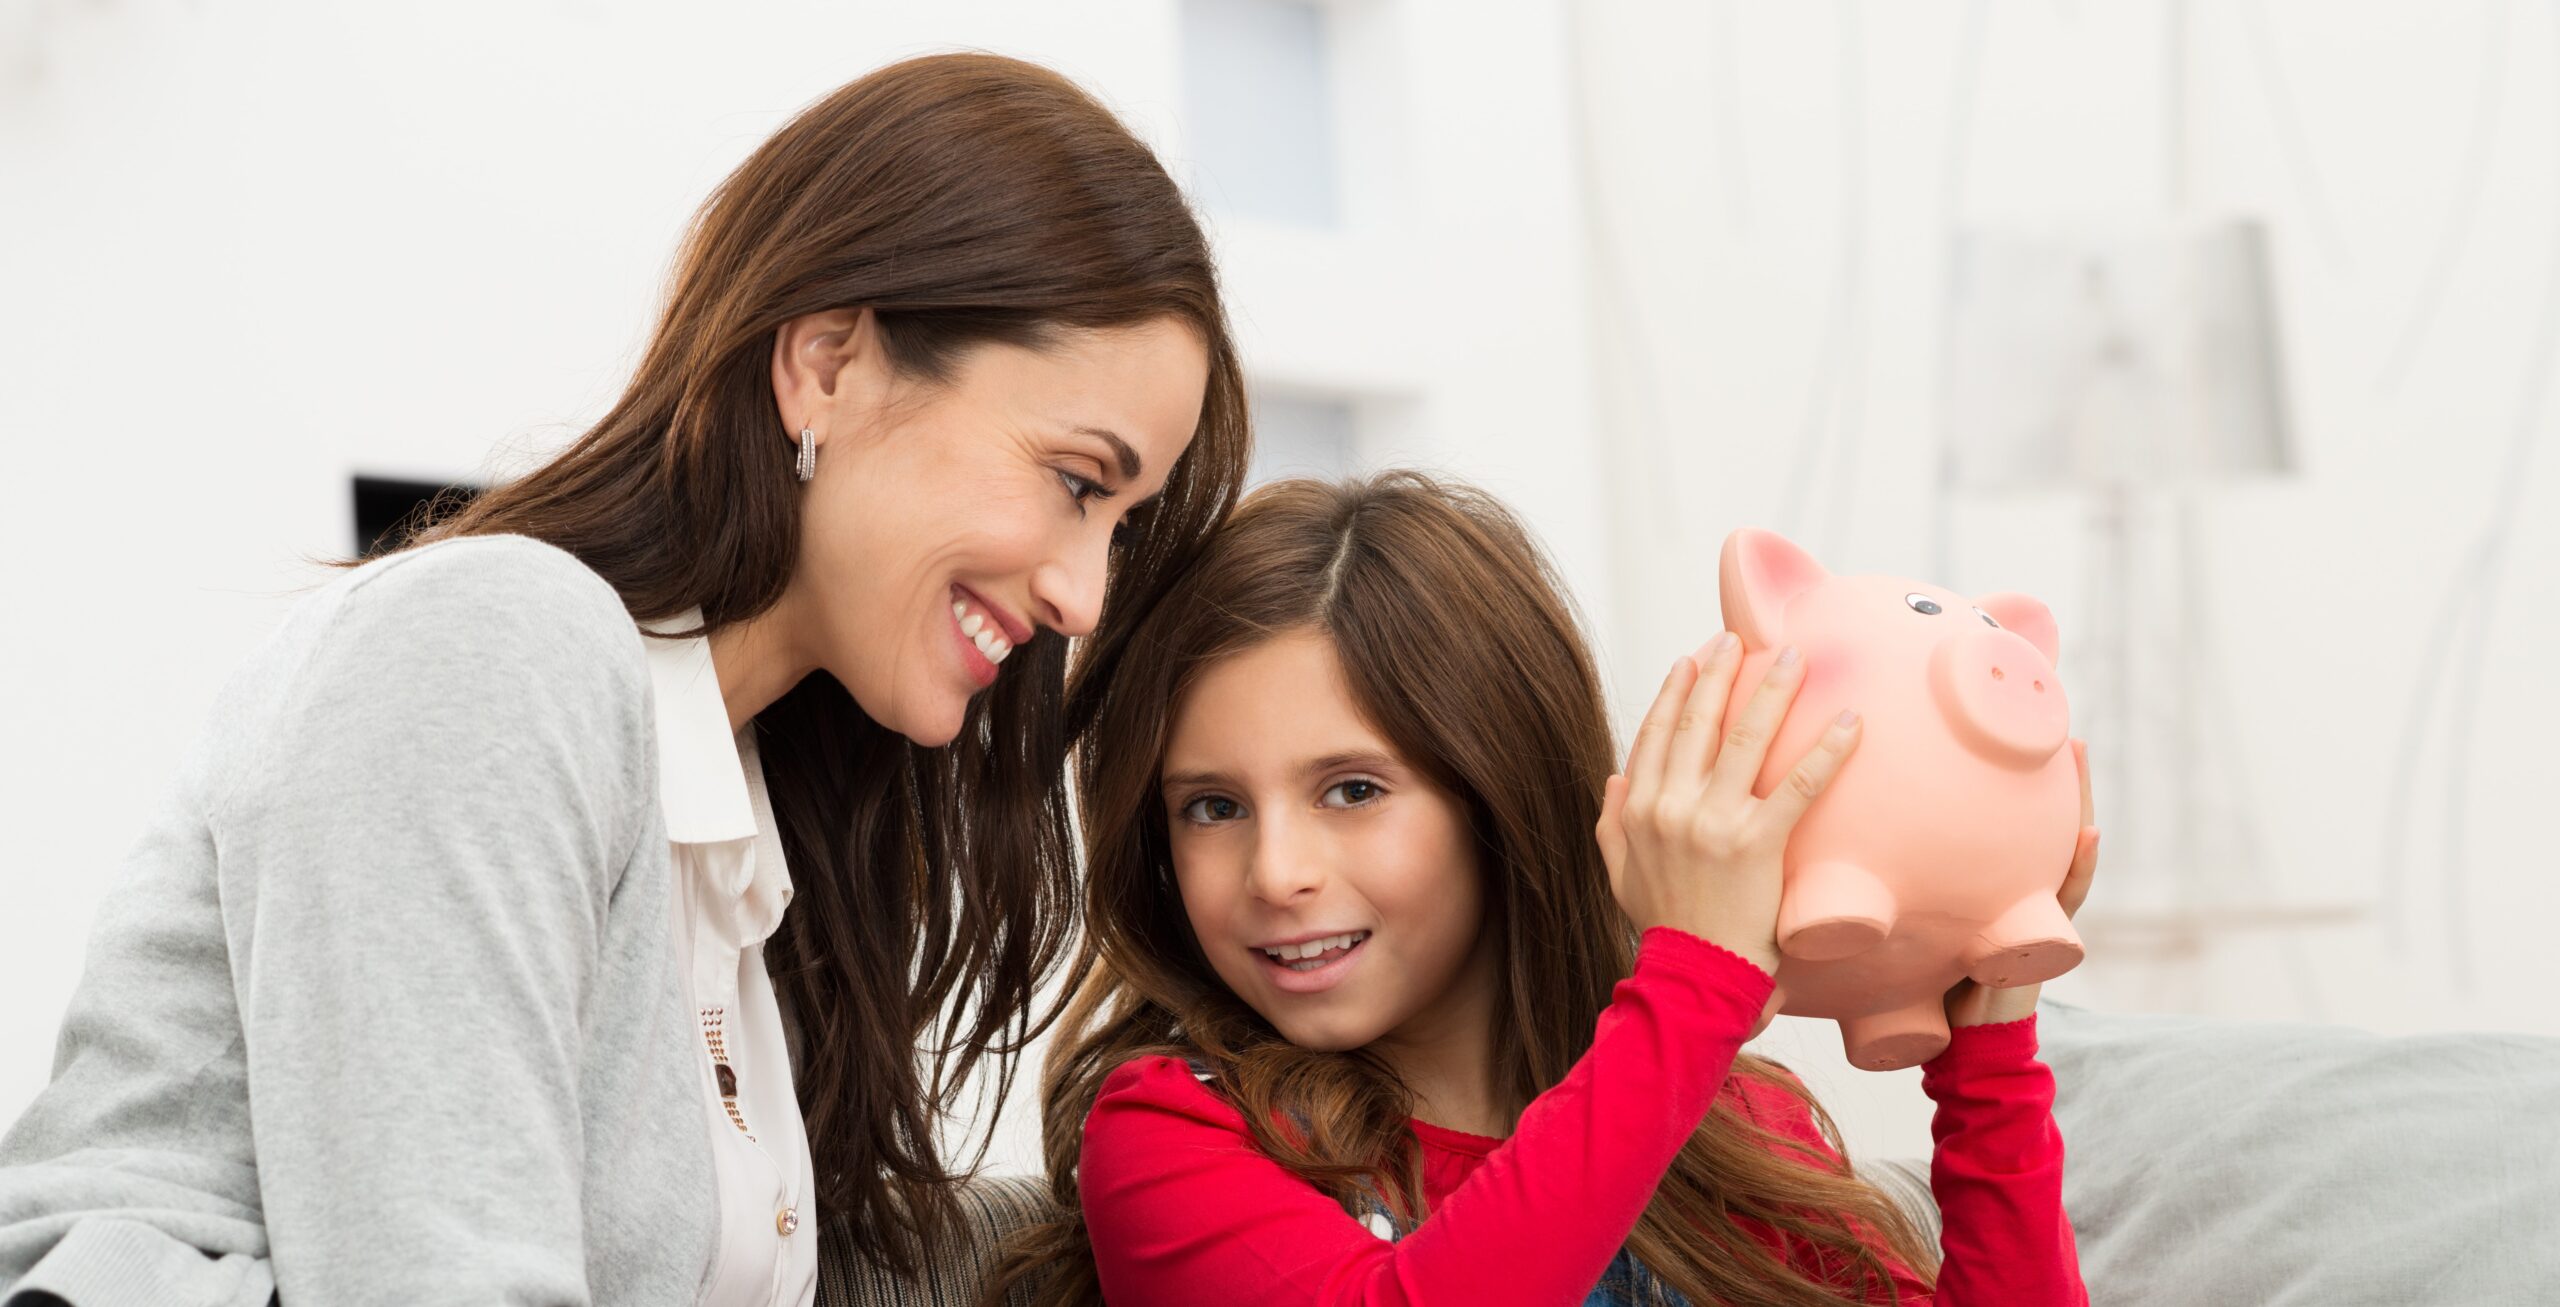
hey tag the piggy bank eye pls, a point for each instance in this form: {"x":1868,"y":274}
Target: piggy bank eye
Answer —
{"x":1986,"y":619}
{"x":1921,"y":603}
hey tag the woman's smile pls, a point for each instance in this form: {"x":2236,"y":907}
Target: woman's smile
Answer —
{"x":986,"y":634}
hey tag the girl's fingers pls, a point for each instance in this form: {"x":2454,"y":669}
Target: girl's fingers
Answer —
{"x":1746,"y":738}
{"x":2080,"y":759}
{"x":2084,"y":869}
{"x":1653,"y":737}
{"x":1611,"y":832}
{"x":1701,"y":725}
{"x":1812,"y":773}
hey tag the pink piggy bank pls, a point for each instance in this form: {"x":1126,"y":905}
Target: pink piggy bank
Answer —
{"x":1937,"y":850}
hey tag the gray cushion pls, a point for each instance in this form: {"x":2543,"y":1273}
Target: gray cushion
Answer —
{"x":2209,"y":1160}
{"x":1905,"y":1180}
{"x":990,"y":1208}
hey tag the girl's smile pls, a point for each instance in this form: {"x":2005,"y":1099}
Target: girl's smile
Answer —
{"x":1312,"y":966}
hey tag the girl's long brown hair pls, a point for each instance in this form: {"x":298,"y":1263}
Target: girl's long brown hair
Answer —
{"x":966,"y":199}
{"x":1460,"y":648}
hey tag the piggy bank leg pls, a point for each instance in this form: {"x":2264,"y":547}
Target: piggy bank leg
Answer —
{"x":1890,"y":1041}
{"x":1833,"y":910}
{"x":2030,"y":943}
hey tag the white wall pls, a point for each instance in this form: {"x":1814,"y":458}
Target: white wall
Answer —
{"x":251,"y":250}
{"x":1761,"y":168}
{"x":1618,"y":262}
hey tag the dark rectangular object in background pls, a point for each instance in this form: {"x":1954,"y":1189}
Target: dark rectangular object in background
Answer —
{"x":387,"y":510}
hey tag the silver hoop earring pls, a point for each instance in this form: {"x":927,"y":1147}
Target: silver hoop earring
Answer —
{"x":808,"y":454}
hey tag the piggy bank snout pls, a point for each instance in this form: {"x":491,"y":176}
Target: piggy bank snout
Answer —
{"x":2000,"y":695}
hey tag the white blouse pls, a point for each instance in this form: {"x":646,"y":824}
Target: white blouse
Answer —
{"x":730,"y":891}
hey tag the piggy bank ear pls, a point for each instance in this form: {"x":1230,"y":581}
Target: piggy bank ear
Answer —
{"x":1761,"y":572}
{"x":2027,"y":617}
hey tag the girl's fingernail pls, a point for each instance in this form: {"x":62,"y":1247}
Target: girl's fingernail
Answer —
{"x":1848,"y":718}
{"x":1787,"y":656}
{"x":1722,"y":642}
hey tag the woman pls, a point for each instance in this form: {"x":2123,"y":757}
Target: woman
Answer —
{"x":1377,"y":1020}
{"x":458,"y":966}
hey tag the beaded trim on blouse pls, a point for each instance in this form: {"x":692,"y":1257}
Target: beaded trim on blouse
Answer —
{"x":728,"y":1077}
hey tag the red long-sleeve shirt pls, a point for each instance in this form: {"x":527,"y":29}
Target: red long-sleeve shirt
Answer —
{"x":1182,"y":1208}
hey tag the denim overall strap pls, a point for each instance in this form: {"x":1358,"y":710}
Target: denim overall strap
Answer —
{"x":1629,"y":1283}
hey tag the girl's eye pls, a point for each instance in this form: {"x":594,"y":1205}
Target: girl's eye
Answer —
{"x":1210,"y":808}
{"x":1354,"y":793}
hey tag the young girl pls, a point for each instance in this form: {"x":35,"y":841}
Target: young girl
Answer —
{"x":1376,"y":1019}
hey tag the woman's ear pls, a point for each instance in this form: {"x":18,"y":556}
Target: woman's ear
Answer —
{"x":825,"y":362}
{"x":1760,"y":573}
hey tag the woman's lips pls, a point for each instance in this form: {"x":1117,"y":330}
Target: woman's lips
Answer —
{"x":1317,"y":979}
{"x":981,"y":670}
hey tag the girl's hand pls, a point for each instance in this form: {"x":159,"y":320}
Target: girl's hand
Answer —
{"x":1686,"y":843}
{"x":1970,"y":1004}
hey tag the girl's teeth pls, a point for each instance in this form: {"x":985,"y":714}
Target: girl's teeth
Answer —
{"x":1291,"y":955}
{"x":971,"y":625}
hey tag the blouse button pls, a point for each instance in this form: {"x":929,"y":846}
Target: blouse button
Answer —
{"x":787,"y":1221}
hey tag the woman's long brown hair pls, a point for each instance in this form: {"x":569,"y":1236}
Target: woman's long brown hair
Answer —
{"x":966,"y":199}
{"x":1461,"y":649}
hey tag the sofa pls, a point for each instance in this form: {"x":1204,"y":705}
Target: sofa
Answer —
{"x":2208,"y":1162}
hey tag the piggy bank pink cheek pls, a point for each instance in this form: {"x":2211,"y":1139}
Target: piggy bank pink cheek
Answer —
{"x":2000,"y":696}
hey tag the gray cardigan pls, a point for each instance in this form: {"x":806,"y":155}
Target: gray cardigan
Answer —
{"x":382,"y":1006}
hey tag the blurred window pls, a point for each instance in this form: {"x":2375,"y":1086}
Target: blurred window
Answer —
{"x":1257,"y":90}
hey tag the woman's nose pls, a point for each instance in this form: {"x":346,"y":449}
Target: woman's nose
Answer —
{"x":1069,"y":590}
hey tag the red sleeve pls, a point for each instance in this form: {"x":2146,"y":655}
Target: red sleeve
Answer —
{"x":1997,"y":1172}
{"x":1182,"y":1208}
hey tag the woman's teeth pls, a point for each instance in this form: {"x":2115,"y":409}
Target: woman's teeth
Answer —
{"x":981,"y":631}
{"x":1311,"y":955}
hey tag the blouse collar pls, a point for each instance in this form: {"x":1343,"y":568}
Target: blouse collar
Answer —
{"x":711,"y":784}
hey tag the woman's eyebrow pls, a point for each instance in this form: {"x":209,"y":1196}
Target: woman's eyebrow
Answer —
{"x":1131,"y":466}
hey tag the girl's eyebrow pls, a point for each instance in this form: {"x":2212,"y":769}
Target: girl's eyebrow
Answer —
{"x":1353,"y":760}
{"x":1348,"y":760}
{"x":1177,"y":779}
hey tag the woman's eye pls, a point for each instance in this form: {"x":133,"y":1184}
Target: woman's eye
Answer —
{"x":1081,"y":489}
{"x":1354,"y":793}
{"x":1210,"y":808}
